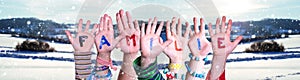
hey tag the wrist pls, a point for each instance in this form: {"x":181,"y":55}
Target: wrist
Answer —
{"x":145,"y":62}
{"x":149,"y":72}
{"x":218,"y":66}
{"x":175,"y":67}
{"x":176,"y":59}
{"x":129,"y":58}
{"x":104,"y":56}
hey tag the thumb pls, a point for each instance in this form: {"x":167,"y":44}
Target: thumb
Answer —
{"x":69,"y":35}
{"x":166,"y":44}
{"x":118,"y":39}
{"x":237,"y":41}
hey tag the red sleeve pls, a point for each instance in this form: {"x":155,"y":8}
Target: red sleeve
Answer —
{"x":222,"y":77}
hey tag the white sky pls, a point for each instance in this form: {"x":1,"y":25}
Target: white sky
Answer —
{"x":69,"y":11}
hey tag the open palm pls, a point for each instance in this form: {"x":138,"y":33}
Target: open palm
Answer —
{"x":152,"y":44}
{"x":83,"y":42}
{"x":176,"y":48}
{"x":131,"y":43}
{"x":104,"y":39}
{"x":198,"y":43}
{"x":222,"y":46}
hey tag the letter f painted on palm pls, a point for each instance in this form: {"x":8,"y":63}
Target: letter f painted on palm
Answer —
{"x":82,"y":39}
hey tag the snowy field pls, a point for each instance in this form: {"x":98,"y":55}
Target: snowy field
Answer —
{"x":37,"y":69}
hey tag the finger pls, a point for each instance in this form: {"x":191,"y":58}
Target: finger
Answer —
{"x":124,"y":20}
{"x":237,"y":40}
{"x":110,"y":24}
{"x":119,"y":22}
{"x":168,"y":31}
{"x":100,"y":26}
{"x":218,"y":26}
{"x":143,"y":29}
{"x":187,"y":30}
{"x":149,"y":26}
{"x":160,"y":28}
{"x":87,"y":26}
{"x":210,"y":30}
{"x":152,"y":31}
{"x":166,"y":44}
{"x":69,"y":35}
{"x":80,"y":26}
{"x":196,"y":29}
{"x":179,"y":28}
{"x":228,"y":31}
{"x":129,"y":20}
{"x":105,"y":24}
{"x":173,"y":25}
{"x":136,"y":25}
{"x":191,"y":33}
{"x":223,"y":29}
{"x":94,"y":29}
{"x":202,"y":26}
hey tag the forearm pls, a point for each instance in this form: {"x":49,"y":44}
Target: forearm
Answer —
{"x":175,"y":66}
{"x":127,"y":71}
{"x":217,"y":67}
{"x":102,"y":66}
{"x":147,"y":70}
{"x":82,"y":64}
{"x":195,"y":68}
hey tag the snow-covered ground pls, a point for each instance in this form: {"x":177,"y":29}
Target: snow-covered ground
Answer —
{"x":28,"y":69}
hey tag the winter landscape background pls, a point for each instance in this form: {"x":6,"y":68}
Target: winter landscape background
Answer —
{"x":46,"y":20}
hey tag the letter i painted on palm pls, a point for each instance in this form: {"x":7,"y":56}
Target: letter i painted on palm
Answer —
{"x":199,"y":44}
{"x":103,"y":41}
{"x":151,"y":43}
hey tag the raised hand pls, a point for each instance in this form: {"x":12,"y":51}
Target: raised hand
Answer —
{"x":151,"y":42}
{"x":105,"y":41}
{"x":176,"y":48}
{"x":131,"y":44}
{"x":199,"y":47}
{"x":84,"y":40}
{"x":222,"y":46}
{"x":82,"y":45}
{"x":198,"y":44}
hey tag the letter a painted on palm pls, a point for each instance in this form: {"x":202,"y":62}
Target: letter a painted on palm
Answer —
{"x":103,"y":41}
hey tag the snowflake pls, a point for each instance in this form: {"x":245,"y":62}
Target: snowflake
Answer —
{"x":28,"y":22}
